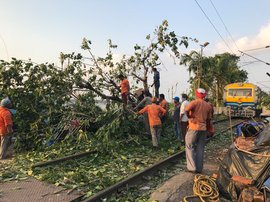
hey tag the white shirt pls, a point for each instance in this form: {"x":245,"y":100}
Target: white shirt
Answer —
{"x":182,"y":111}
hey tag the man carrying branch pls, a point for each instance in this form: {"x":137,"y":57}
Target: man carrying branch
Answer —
{"x":154,"y":111}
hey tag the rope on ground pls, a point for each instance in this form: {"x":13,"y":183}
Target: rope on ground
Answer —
{"x":205,"y":189}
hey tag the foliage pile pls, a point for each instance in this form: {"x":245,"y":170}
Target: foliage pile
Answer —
{"x":43,"y":93}
{"x":39,"y":92}
{"x":120,"y":125}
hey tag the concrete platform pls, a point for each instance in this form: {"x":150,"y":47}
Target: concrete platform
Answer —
{"x":32,"y":190}
{"x":179,"y":186}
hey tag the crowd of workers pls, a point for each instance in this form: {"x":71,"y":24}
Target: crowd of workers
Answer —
{"x":192,"y":120}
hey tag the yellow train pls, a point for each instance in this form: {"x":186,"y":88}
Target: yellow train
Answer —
{"x":240,"y":99}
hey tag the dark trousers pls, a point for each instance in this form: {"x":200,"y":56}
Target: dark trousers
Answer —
{"x":177,"y":129}
{"x":146,"y":124}
{"x":157,"y":91}
{"x":125,"y":98}
{"x":184,"y":126}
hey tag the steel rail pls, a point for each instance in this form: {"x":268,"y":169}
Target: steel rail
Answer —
{"x":133,"y":179}
{"x":219,"y":121}
{"x":79,"y":155}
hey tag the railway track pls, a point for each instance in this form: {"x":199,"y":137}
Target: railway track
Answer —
{"x":222,"y":126}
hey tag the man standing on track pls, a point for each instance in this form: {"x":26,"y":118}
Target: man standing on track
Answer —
{"x":176,"y":117}
{"x":5,"y":127}
{"x":154,"y":111}
{"x":183,"y":116}
{"x":199,"y":112}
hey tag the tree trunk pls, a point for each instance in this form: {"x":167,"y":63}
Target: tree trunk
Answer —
{"x":145,"y":83}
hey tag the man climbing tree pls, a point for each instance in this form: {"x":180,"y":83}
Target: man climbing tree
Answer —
{"x":124,"y":85}
{"x":156,"y":82}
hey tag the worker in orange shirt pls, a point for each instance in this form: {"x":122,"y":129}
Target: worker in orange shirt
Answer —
{"x":5,"y":126}
{"x":124,"y":85}
{"x":163,"y":103}
{"x":199,"y":112}
{"x":154,"y":111}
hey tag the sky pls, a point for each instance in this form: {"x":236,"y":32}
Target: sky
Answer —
{"x":40,"y":30}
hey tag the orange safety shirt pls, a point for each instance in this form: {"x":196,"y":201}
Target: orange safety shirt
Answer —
{"x":199,"y":111}
{"x":5,"y":120}
{"x":124,"y":86}
{"x":163,"y":104}
{"x":154,"y":111}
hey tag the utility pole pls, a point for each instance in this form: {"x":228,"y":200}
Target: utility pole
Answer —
{"x":217,"y":94}
{"x":199,"y":68}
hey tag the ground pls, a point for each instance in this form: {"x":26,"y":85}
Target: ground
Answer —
{"x":180,"y":185}
{"x":34,"y":190}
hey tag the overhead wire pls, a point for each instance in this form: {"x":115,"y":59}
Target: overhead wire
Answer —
{"x":256,"y":49}
{"x":224,"y":24}
{"x":226,"y":28}
{"x":267,"y":63}
{"x":265,"y":86}
{"x":5,"y":46}
{"x":248,"y":63}
{"x":263,"y":81}
{"x":214,"y":26}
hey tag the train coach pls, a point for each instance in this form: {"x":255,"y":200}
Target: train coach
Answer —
{"x":240,"y":100}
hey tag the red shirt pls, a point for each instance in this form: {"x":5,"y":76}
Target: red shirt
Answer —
{"x":199,"y":111}
{"x":163,"y":104}
{"x":5,"y":120}
{"x":124,"y":86}
{"x":153,"y":111}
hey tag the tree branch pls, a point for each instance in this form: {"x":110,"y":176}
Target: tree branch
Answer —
{"x":88,"y":85}
{"x":141,"y":79}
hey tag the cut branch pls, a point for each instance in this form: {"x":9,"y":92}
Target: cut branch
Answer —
{"x":88,"y":85}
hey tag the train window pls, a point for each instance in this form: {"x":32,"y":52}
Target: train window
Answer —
{"x":232,"y":92}
{"x":240,"y":92}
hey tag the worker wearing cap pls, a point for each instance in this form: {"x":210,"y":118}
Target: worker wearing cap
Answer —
{"x":124,"y":85}
{"x":154,"y":111}
{"x":176,"y":116}
{"x":5,"y":126}
{"x":199,"y":112}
